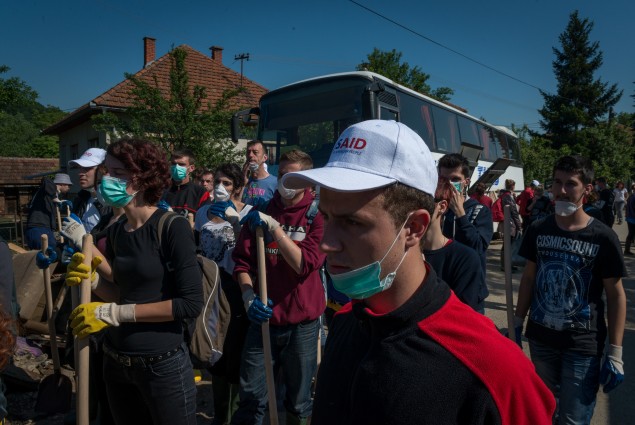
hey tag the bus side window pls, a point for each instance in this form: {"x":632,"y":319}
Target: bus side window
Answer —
{"x":446,"y":130}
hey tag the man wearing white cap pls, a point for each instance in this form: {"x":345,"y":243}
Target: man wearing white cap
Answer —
{"x":41,"y":219}
{"x":86,"y":206}
{"x":405,"y":350}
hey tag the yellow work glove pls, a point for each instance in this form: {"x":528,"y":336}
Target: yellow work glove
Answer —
{"x":90,"y":318}
{"x":77,"y":270}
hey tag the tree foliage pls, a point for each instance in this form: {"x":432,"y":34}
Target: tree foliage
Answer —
{"x":581,"y":101}
{"x":182,"y":119}
{"x":389,"y":64}
{"x":22,"y":118}
{"x":538,"y":155}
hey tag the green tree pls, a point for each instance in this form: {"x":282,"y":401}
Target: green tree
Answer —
{"x":611,"y":149}
{"x":538,"y":155}
{"x":389,"y":64}
{"x":182,"y":119}
{"x":581,"y":101}
{"x":21,"y":120}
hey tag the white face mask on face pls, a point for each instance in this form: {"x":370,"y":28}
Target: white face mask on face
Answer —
{"x":567,"y":208}
{"x":284,"y":192}
{"x":220,"y":193}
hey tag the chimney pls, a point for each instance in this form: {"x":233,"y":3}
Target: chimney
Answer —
{"x":217,"y":53}
{"x":149,"y":50}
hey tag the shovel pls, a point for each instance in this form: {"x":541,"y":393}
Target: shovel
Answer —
{"x":266,"y":341}
{"x":55,"y":391}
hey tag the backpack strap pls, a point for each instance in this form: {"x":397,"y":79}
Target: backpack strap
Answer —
{"x":312,"y":211}
{"x":169,"y":217}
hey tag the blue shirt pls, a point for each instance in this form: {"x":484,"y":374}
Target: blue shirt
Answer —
{"x":260,"y":189}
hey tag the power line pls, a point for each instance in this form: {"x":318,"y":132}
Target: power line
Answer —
{"x":444,"y":46}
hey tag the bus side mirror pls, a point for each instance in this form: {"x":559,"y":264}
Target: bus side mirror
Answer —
{"x":245,"y":118}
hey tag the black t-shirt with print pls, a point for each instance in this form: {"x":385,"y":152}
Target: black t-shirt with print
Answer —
{"x":567,"y":310}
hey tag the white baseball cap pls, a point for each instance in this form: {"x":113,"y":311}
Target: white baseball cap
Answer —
{"x":91,"y":158}
{"x":369,"y":155}
{"x":535,"y":183}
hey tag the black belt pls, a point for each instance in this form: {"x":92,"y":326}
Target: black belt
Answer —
{"x":125,"y":360}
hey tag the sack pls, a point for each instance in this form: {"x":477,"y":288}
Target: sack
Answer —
{"x":517,"y":260}
{"x":204,"y":335}
{"x":497,"y":211}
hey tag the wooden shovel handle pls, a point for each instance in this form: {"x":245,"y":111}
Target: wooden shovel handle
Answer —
{"x":82,"y":345}
{"x":266,"y":340}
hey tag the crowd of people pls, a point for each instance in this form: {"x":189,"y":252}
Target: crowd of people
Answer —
{"x":380,"y":226}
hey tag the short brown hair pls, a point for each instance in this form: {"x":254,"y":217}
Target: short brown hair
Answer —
{"x":400,"y":200}
{"x":299,"y":157}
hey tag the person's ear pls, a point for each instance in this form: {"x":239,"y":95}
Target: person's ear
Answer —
{"x":442,"y":207}
{"x":416,"y":227}
{"x":265,"y":158}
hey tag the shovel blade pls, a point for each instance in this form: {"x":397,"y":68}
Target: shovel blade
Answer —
{"x":54,"y":394}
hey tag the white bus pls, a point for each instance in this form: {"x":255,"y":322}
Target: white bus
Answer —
{"x":310,"y":115}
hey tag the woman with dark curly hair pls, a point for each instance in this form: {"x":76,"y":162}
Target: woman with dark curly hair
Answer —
{"x":150,"y":289}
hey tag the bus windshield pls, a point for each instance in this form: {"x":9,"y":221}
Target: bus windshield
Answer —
{"x":311,"y":118}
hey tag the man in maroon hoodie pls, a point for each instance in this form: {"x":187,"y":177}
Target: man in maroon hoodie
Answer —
{"x":295,"y":292}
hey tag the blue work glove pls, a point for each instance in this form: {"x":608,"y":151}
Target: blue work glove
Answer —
{"x":163,"y":205}
{"x":73,"y":230}
{"x":257,"y":219}
{"x":62,"y":205}
{"x":612,"y":373}
{"x":257,"y":312}
{"x":43,"y":261}
{"x":67,"y":254}
{"x":222,"y":209}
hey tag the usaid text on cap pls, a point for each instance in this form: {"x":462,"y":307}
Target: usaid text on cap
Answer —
{"x":352,"y":145}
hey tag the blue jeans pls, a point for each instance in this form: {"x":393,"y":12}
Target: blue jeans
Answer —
{"x":294,"y":349}
{"x":152,"y":394}
{"x":573,"y":378}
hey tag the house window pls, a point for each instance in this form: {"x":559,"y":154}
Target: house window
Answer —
{"x":74,"y":151}
{"x":93,"y":143}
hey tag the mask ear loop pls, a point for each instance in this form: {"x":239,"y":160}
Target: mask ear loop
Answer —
{"x":395,"y":241}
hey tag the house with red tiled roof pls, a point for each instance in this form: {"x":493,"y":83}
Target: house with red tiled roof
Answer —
{"x":76,"y":132}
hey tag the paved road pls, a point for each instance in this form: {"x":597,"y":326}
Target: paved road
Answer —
{"x":616,"y":408}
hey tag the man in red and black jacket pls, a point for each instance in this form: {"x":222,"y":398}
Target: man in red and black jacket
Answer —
{"x":184,"y":196}
{"x":406,"y":350}
{"x":295,"y":296}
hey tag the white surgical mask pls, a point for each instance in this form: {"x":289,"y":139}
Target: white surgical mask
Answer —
{"x":253,"y":167}
{"x":220,"y":193}
{"x":566,"y":208}
{"x":284,"y":192}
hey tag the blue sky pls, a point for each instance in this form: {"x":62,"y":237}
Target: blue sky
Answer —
{"x":71,"y":51}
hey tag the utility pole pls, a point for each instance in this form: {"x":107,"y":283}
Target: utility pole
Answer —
{"x":241,"y":57}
